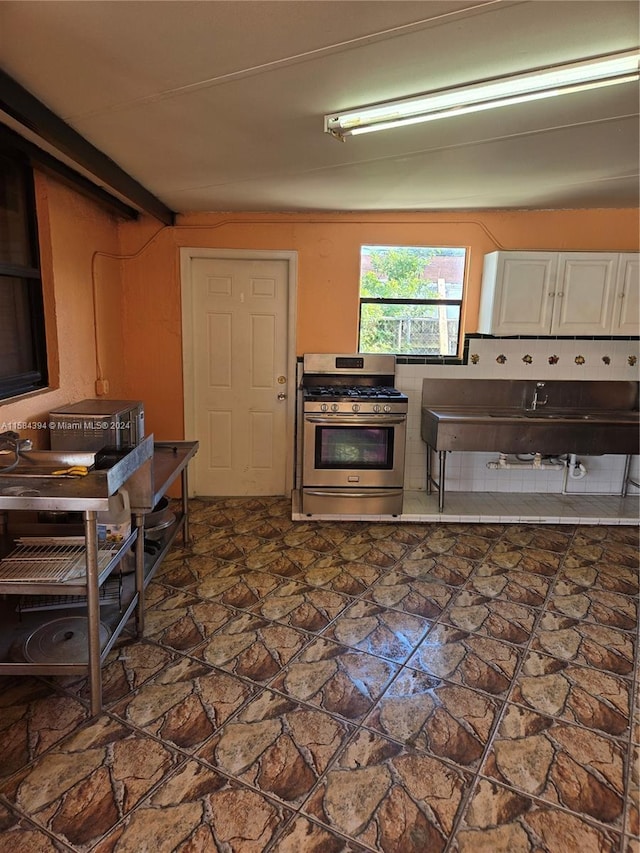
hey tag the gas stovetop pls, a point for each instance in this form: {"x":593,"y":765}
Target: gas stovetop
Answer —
{"x":354,"y":400}
{"x":352,"y":384}
{"x":335,"y":393}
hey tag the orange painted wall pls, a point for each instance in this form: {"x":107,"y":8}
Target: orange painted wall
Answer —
{"x":137,"y":276}
{"x":328,"y":247}
{"x":71,"y":229}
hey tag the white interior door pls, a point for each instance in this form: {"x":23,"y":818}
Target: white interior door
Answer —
{"x":237,"y":359}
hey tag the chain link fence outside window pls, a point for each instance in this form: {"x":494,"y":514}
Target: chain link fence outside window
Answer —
{"x":411,"y":335}
{"x":411,"y":299}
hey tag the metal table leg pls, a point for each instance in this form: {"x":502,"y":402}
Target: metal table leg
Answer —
{"x":139,"y":520}
{"x":93,"y":611}
{"x":186,"y":537}
{"x":442,"y":456}
{"x":439,"y":483}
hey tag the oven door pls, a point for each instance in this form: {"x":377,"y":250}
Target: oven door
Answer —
{"x":357,"y":451}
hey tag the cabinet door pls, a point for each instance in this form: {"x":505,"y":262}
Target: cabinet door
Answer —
{"x":626,"y":307}
{"x":523,"y":295}
{"x":584,"y":293}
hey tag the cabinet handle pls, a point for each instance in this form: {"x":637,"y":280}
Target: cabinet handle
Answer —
{"x":560,"y":293}
{"x":552,"y":293}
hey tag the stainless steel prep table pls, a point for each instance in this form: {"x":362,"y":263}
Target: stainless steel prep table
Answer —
{"x":146,"y":472}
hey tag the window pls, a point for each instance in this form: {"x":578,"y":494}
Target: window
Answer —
{"x":23,"y":364}
{"x":411,"y":299}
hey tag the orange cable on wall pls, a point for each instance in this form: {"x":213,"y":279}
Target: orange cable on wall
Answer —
{"x":225,"y":222}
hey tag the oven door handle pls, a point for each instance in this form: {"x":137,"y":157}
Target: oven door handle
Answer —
{"x":357,"y":420}
{"x":349,"y":493}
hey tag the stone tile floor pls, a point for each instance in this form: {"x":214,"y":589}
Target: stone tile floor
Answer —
{"x":324,"y":687}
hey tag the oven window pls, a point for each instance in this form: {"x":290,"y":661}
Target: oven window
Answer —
{"x":353,"y":447}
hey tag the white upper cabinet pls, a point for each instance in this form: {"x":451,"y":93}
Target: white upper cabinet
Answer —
{"x":559,"y":293}
{"x":583,"y":301}
{"x":626,"y":302}
{"x":517,"y":290}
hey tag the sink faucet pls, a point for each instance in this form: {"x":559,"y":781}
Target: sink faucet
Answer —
{"x":536,"y":400}
{"x":12,"y":442}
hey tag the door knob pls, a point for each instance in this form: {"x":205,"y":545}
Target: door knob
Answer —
{"x":282,"y":396}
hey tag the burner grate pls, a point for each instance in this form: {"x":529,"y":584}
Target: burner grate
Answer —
{"x":334,"y":392}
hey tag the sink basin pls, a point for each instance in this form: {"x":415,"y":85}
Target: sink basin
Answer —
{"x":592,"y":418}
{"x":574,"y":415}
{"x":565,"y":416}
{"x":41,"y":463}
{"x":518,"y":430}
{"x":32,"y":485}
{"x":539,"y":415}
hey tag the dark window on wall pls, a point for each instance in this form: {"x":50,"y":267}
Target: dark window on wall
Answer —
{"x":23,"y":361}
{"x":411,"y":299}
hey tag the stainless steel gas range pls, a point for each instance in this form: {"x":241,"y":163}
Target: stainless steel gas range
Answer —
{"x":353,"y":435}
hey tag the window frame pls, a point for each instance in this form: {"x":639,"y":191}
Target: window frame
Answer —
{"x":31,"y":277}
{"x":375,"y":300}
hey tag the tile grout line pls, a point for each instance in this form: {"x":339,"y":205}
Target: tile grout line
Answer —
{"x":505,"y":705}
{"x":359,"y":727}
{"x":355,"y":726}
{"x":474,"y":775}
{"x":20,"y":815}
{"x":634,"y":700}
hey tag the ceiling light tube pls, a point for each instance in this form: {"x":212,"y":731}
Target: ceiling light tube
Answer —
{"x":520,"y":88}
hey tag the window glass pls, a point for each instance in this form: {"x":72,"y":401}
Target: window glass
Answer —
{"x":411,"y":299}
{"x":23,"y":365}
{"x":15,"y":247}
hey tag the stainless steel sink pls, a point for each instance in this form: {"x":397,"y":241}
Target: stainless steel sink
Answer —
{"x":566,"y":416}
{"x":525,"y":431}
{"x":46,"y":461}
{"x":590,"y":418}
{"x":32,"y":485}
{"x":575,"y":415}
{"x":542,"y":416}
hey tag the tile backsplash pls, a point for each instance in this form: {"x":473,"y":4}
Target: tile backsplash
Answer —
{"x":521,"y":358}
{"x":551,"y":358}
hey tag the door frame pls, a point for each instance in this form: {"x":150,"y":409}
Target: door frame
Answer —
{"x":187,"y":255}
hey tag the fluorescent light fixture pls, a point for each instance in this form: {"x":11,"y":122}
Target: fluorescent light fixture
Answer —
{"x":518,"y":89}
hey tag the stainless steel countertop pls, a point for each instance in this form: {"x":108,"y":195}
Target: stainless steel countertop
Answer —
{"x":518,"y":430}
{"x":481,"y":414}
{"x":21,"y":489}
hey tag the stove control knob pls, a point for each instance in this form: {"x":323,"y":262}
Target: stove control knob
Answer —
{"x":324,"y":407}
{"x":334,"y":407}
{"x":376,"y":408}
{"x":387,"y":408}
{"x":356,"y":407}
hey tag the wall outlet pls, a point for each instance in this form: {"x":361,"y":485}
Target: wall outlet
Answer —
{"x":102,"y":387}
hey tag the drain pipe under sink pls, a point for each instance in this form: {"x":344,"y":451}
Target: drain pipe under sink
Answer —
{"x":575,"y":468}
{"x":535,"y":464}
{"x":571,"y":465}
